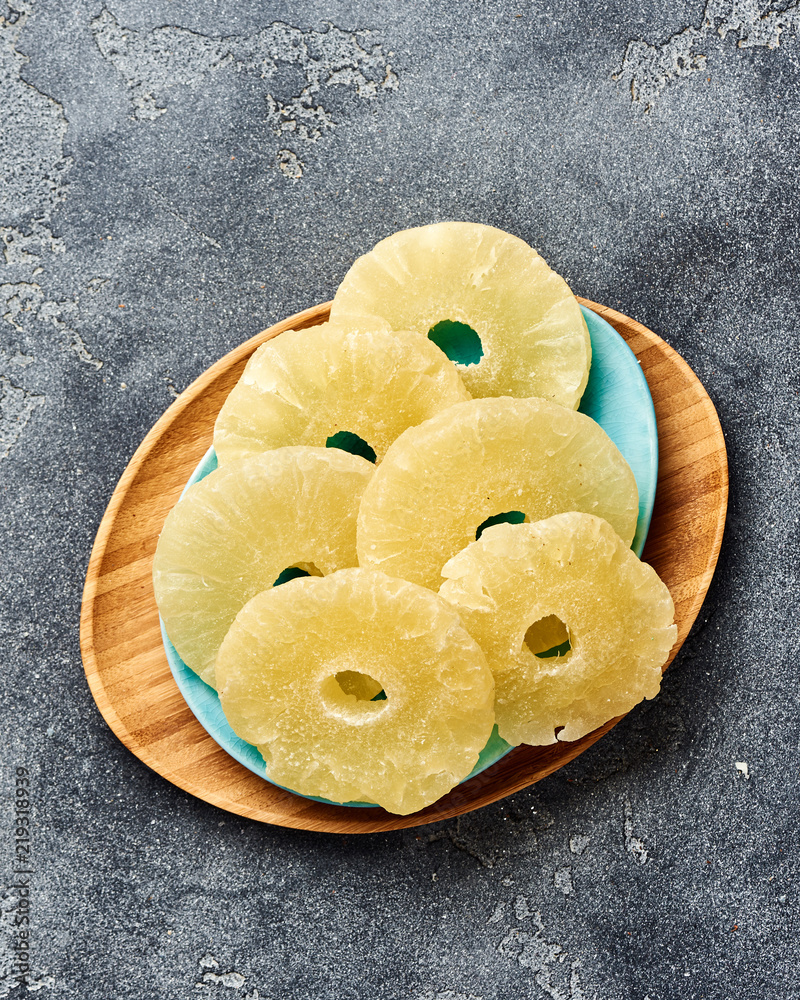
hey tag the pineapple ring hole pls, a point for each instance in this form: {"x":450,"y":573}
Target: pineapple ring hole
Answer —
{"x":548,"y":637}
{"x":347,"y":441}
{"x":458,"y":341}
{"x":508,"y":517}
{"x":295,"y":572}
{"x":353,"y":695}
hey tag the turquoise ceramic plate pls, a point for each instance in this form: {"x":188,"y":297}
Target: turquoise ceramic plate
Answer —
{"x":617,"y":397}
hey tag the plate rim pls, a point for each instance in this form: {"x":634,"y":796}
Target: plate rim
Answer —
{"x":513,"y":772}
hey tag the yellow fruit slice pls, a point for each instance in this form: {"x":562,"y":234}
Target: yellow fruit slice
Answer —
{"x":328,"y":383}
{"x":440,"y":482}
{"x":280,"y":671}
{"x":518,"y":326}
{"x":235,"y":532}
{"x":523,"y":587}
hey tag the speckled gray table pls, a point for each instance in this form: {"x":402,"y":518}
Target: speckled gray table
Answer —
{"x":177,"y":175}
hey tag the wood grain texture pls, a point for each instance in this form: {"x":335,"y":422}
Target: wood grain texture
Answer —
{"x":121,"y":645}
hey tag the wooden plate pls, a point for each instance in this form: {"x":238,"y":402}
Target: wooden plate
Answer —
{"x":121,"y":643}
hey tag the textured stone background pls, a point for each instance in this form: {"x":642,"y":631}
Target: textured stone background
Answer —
{"x":167,"y":191}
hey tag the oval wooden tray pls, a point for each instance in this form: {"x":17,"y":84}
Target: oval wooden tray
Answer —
{"x":121,"y":644}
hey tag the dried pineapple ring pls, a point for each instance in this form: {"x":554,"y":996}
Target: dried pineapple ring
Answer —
{"x":279,"y":671}
{"x":308,"y":386}
{"x":439,"y":482}
{"x":237,"y":530}
{"x":533,"y":337}
{"x":518,"y":581}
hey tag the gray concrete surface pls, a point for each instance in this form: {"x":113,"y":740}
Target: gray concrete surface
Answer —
{"x":175,"y":176}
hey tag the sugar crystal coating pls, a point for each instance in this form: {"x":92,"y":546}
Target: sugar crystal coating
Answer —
{"x":237,"y":530}
{"x":533,"y":337}
{"x":441,"y":480}
{"x":518,"y":583}
{"x":279,"y":673}
{"x":307,"y":386}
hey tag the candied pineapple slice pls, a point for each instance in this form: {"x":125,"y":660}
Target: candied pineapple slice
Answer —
{"x":441,"y":481}
{"x":235,"y":533}
{"x":328,"y":383}
{"x":533,"y":340}
{"x":522,"y":587}
{"x":282,"y":671}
